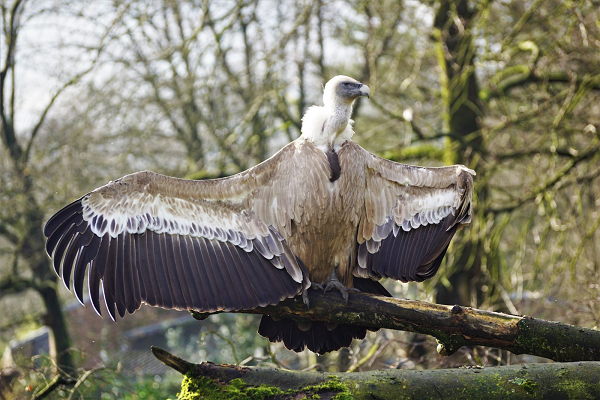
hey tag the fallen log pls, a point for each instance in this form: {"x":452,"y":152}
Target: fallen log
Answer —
{"x":528,"y":381}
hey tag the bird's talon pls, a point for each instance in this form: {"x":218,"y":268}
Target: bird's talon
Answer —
{"x":339,"y":286}
{"x":332,"y":285}
{"x":317,"y":286}
{"x":305,"y":299}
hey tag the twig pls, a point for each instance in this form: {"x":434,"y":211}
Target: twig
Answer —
{"x":52,"y":385}
{"x":82,"y":379}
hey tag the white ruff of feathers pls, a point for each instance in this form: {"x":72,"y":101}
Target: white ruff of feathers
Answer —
{"x":329,"y":126}
{"x":312,"y":129}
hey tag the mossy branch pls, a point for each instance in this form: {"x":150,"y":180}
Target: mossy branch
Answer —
{"x":541,"y":381}
{"x":452,"y":326}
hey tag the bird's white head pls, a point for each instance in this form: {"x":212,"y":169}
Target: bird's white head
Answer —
{"x":342,"y":90}
{"x":329,"y":126}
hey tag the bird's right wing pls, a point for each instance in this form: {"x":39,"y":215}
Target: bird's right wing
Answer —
{"x":175,"y":243}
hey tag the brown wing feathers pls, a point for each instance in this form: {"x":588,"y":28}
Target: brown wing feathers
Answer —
{"x":171,"y":270}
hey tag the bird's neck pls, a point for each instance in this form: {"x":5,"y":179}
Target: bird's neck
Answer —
{"x":328,"y":127}
{"x":337,"y":121}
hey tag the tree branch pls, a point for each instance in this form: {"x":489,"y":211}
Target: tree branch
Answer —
{"x":563,"y":152}
{"x":8,"y":233}
{"x":15,"y":284}
{"x":535,"y":77}
{"x":550,"y":380}
{"x":554,"y":180}
{"x":57,"y":381}
{"x":516,"y":29}
{"x":8,"y":131}
{"x":453,"y":326}
{"x":44,"y":113}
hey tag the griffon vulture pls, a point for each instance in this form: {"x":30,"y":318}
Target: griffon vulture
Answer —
{"x":322,"y":211}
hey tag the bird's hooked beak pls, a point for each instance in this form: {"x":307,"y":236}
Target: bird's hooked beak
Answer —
{"x":364,"y":90}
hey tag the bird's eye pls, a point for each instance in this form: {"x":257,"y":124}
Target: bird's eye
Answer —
{"x":346,"y":84}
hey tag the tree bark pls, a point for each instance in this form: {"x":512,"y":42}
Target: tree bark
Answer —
{"x":453,"y":326}
{"x":462,"y":111}
{"x":545,"y":381}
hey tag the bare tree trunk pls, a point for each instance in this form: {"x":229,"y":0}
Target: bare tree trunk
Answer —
{"x":45,"y":282}
{"x":543,"y":381}
{"x":59,"y":339}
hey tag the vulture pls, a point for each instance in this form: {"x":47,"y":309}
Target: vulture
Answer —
{"x":322,"y":212}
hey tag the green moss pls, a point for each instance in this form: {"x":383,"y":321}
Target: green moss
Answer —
{"x":333,"y":384}
{"x":448,"y":344}
{"x":529,"y":340}
{"x":563,"y":373}
{"x":528,"y":385}
{"x":195,"y":388}
{"x":547,"y":339}
{"x":494,"y":386}
{"x":343,"y":396}
{"x":575,"y":389}
{"x":205,"y":388}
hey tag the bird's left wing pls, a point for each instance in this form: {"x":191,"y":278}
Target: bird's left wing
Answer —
{"x":410,"y":215}
{"x":174,"y":243}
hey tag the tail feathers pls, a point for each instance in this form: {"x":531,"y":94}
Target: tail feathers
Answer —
{"x":367,"y":285}
{"x":319,"y":337}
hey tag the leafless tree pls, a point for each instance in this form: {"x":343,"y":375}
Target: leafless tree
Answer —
{"x":23,"y":210}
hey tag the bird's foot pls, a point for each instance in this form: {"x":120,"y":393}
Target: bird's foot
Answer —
{"x":313,"y":285}
{"x":335,"y":284}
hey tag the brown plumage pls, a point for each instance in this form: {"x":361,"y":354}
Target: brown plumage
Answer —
{"x":322,"y":209}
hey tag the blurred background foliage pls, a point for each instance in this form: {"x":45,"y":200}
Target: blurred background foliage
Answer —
{"x":92,"y":90}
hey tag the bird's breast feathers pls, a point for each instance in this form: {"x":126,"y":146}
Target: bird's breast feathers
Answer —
{"x":317,"y":217}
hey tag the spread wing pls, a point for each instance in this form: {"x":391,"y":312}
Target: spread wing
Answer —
{"x":411,"y":214}
{"x":175,"y":243}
